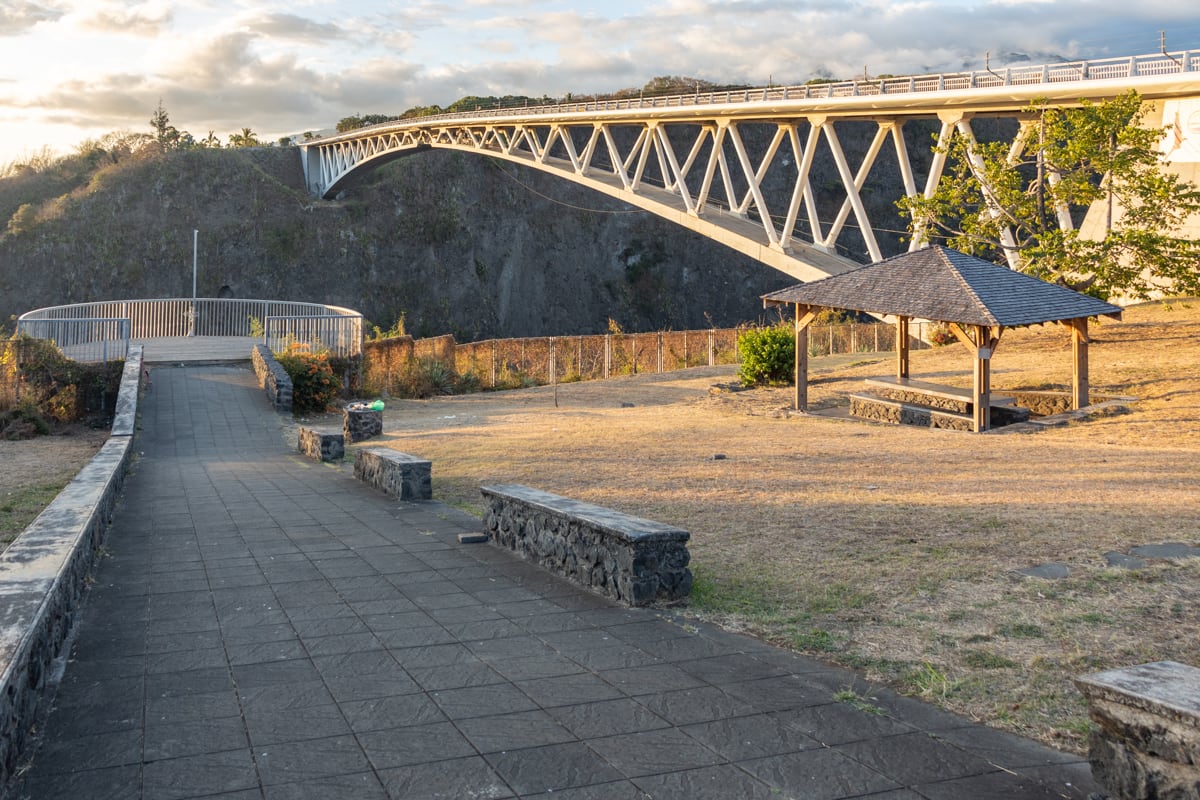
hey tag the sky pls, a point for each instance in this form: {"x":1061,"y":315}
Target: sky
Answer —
{"x":74,"y":70}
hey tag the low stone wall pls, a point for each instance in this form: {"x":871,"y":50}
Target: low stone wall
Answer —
{"x":897,"y":413}
{"x":398,"y":474}
{"x":632,"y":560}
{"x":1146,"y":743}
{"x":44,"y":571}
{"x":1001,"y":413}
{"x":272,"y":377}
{"x":321,"y":445}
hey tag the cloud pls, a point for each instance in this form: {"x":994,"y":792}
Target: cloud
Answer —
{"x":293,"y":28}
{"x":147,"y":19}
{"x":283,"y":68}
{"x":19,"y":16}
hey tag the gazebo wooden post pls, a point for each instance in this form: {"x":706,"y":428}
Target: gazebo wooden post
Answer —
{"x":1079,"y":359}
{"x":982,"y":341}
{"x":983,"y":380}
{"x":902,"y":347}
{"x":804,"y":317}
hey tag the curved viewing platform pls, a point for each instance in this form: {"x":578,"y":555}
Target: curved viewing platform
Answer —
{"x":187,"y":329}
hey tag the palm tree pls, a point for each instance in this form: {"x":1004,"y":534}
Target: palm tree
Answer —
{"x":244,"y":139}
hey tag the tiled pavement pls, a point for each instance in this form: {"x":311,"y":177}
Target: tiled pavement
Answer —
{"x":262,"y":626}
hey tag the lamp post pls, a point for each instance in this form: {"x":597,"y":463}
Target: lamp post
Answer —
{"x":195,"y":251}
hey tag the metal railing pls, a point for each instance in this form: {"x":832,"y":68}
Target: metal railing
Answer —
{"x":1028,"y":75}
{"x":339,"y":335}
{"x":88,"y":339}
{"x":82,"y":326}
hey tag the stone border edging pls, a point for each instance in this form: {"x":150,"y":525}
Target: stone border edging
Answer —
{"x":272,"y":377}
{"x":43,"y":573}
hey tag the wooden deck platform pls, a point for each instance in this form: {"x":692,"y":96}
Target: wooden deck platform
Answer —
{"x":197,"y":349}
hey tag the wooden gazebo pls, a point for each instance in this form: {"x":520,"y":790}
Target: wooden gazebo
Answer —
{"x":976,"y":299}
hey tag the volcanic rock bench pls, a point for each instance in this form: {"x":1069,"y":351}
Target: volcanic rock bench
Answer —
{"x":1146,"y":743}
{"x":632,"y":560}
{"x":321,"y":445}
{"x":402,"y":476}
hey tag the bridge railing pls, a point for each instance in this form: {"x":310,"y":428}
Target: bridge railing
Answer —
{"x":81,"y":327}
{"x":1026,"y":75}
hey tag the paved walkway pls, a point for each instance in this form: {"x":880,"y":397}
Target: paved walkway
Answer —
{"x":264,"y":627}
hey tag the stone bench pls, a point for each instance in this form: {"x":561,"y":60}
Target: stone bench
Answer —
{"x":321,"y":445}
{"x":398,"y":474}
{"x":632,"y":560}
{"x":1146,"y":743}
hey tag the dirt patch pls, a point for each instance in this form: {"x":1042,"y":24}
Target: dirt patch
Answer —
{"x":33,"y":471}
{"x":891,"y":550}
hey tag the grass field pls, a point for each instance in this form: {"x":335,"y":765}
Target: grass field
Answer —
{"x":891,"y":550}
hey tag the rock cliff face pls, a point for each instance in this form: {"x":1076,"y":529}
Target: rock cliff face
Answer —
{"x":457,"y":243}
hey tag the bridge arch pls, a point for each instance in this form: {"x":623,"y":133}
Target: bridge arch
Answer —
{"x":685,"y":158}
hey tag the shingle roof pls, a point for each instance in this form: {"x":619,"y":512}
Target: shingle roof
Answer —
{"x":944,"y":285}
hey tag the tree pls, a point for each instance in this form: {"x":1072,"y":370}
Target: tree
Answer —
{"x":357,"y":121}
{"x":165,"y":133}
{"x":244,"y":138}
{"x":1017,"y":204}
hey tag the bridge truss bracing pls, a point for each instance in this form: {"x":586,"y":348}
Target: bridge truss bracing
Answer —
{"x":765,"y":171}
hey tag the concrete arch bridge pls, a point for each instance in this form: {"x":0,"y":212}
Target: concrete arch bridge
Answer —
{"x":764,"y":171}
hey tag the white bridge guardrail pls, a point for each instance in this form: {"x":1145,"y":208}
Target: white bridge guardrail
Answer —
{"x":1026,"y":75}
{"x":102,"y":330}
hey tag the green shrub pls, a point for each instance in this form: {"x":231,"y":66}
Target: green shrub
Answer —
{"x":314,"y":386}
{"x":38,"y":382}
{"x":768,"y":355}
{"x":428,"y":377}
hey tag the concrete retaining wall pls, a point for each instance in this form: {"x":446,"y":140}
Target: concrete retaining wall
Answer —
{"x":44,"y":571}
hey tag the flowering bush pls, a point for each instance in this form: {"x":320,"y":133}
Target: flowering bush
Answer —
{"x":314,"y":386}
{"x":941,"y":335}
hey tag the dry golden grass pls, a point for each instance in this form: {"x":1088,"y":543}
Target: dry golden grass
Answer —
{"x":889,"y":549}
{"x":34,"y":471}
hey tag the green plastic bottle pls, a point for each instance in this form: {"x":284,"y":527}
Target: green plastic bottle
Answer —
{"x":377,"y":405}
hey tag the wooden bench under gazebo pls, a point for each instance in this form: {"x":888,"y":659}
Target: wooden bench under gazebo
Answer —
{"x":975,"y":299}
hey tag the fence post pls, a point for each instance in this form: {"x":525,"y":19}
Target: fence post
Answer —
{"x":660,"y":351}
{"x":553,"y":371}
{"x":493,"y":363}
{"x":607,"y":354}
{"x":712,"y":347}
